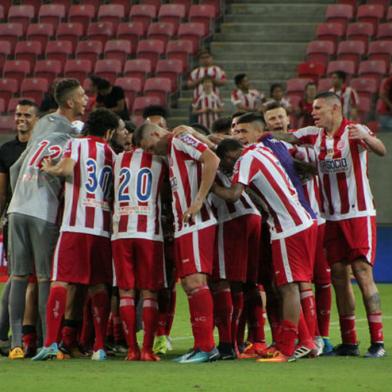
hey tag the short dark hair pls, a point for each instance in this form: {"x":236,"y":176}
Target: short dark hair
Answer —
{"x":227,"y":145}
{"x":341,"y":75}
{"x":203,"y":52}
{"x":101,"y":120}
{"x":155,"y":110}
{"x":251,"y":118}
{"x":130,"y":126}
{"x":238,"y":78}
{"x":63,"y":88}
{"x":327,"y":95}
{"x":237,"y":114}
{"x":28,"y":102}
{"x":274,"y":86}
{"x":201,"y":129}
{"x":99,"y":83}
{"x":221,"y":125}
{"x":274,"y":105}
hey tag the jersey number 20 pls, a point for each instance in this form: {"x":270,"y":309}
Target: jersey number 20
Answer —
{"x":143,"y":185}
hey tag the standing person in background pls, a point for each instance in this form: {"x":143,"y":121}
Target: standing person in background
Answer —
{"x":305,"y":106}
{"x":207,"y":105}
{"x":243,"y":97}
{"x":385,"y":111}
{"x":109,"y":97}
{"x":26,"y":115}
{"x":277,"y":95}
{"x":348,"y":96}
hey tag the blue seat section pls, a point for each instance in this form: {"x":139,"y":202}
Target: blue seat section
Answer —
{"x":383,"y":267}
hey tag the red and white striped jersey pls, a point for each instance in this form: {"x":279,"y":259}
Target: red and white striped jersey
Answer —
{"x":207,"y":101}
{"x":342,"y":164}
{"x":251,"y":100}
{"x":225,"y":210}
{"x":259,"y":169}
{"x":349,"y":99}
{"x":214,"y":72}
{"x":87,"y":198}
{"x":185,"y":178}
{"x":138,"y":177}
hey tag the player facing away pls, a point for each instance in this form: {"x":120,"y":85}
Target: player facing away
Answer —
{"x":137,"y":244}
{"x":83,"y":250}
{"x":34,"y":206}
{"x":292,"y":230}
{"x":192,"y":168}
{"x":342,"y":153}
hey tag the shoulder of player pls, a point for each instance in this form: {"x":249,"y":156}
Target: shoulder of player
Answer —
{"x":187,"y":139}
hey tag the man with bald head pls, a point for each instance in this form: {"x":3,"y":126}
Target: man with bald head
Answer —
{"x":341,"y":148}
{"x":192,"y":167}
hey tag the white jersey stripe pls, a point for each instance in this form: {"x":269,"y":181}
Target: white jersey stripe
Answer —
{"x":285,"y":259}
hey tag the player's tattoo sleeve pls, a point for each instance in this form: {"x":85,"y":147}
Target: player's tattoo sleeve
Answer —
{"x":374,"y":302}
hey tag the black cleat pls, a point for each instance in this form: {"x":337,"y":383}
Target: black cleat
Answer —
{"x":226,"y":352}
{"x":376,"y":350}
{"x":345,"y":350}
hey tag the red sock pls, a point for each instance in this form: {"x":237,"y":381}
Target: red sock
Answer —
{"x":375,"y":327}
{"x":255,"y":317}
{"x":323,"y":306}
{"x":347,"y":329}
{"x":238,"y":305}
{"x":117,"y":329}
{"x":287,"y":336}
{"x":201,"y":311}
{"x":223,"y":312}
{"x":29,"y":336}
{"x":100,"y":303}
{"x":171,"y":311}
{"x":128,"y":318}
{"x":69,"y":333}
{"x":150,"y":322}
{"x":308,"y":305}
{"x":55,"y":309}
{"x":304,"y":335}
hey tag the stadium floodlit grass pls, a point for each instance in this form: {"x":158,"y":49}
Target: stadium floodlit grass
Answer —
{"x":322,"y":374}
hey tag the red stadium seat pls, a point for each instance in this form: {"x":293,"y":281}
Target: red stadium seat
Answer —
{"x":82,"y":14}
{"x":360,"y":31}
{"x":89,"y":50}
{"x":141,"y":103}
{"x":2,"y":13}
{"x":351,"y":50}
{"x":342,"y":65}
{"x":71,"y":32}
{"x":297,"y":85}
{"x":2,"y":105}
{"x":172,"y":13}
{"x":28,"y":50}
{"x":100,"y":31}
{"x":158,"y":87}
{"x":370,"y":13}
{"x":108,"y":69}
{"x":194,"y":32}
{"x":34,"y":88}
{"x":48,"y":69}
{"x":113,"y":13}
{"x":161,"y":31}
{"x":389,"y":14}
{"x":380,"y":50}
{"x":7,"y":124}
{"x":132,"y":31}
{"x":78,"y":69}
{"x":384,"y":31}
{"x":8,"y":87}
{"x":203,"y":14}
{"x":118,"y":49}
{"x":143,"y":14}
{"x":372,"y":69}
{"x":339,"y":13}
{"x":384,"y":3}
{"x":11,"y":32}
{"x":320,"y":51}
{"x":23,"y":14}
{"x":364,"y":108}
{"x":16,"y":69}
{"x":218,"y":5}
{"x":94,"y":3}
{"x":138,"y":68}
{"x":150,"y":49}
{"x":131,"y":86}
{"x":180,"y":50}
{"x":311,"y":70}
{"x":125,"y":3}
{"x":171,"y":69}
{"x":324,"y":84}
{"x":365,"y":87}
{"x":330,"y":32}
{"x":58,"y":50}
{"x":156,"y":3}
{"x":5,"y":51}
{"x":51,"y":13}
{"x":40,"y":32}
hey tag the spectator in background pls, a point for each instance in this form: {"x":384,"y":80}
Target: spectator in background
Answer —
{"x":385,"y":112}
{"x":243,"y":97}
{"x":207,"y":105}
{"x":348,"y":96}
{"x":109,"y":97}
{"x":156,"y":114}
{"x":277,"y":95}
{"x":49,"y":104}
{"x":305,"y":106}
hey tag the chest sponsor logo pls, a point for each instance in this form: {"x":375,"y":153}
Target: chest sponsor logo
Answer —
{"x":334,"y":166}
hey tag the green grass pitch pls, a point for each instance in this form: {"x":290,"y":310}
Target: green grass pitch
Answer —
{"x":322,"y":374}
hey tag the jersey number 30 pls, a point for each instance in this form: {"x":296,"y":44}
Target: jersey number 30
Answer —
{"x":143,"y":185}
{"x":103,"y":178}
